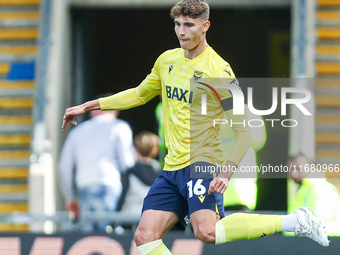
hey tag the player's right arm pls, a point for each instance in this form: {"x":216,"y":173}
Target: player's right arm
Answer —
{"x":74,"y":111}
{"x":129,"y":98}
{"x":121,"y":101}
{"x":148,"y":89}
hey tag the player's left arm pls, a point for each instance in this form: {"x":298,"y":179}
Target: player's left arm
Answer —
{"x":240,"y":147}
{"x":242,"y":137}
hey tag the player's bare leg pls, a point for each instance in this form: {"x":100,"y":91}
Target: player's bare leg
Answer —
{"x":203,"y":223}
{"x":152,"y":227}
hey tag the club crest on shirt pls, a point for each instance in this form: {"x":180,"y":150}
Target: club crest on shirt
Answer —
{"x":197,"y":75}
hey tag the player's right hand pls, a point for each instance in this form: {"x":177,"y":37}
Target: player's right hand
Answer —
{"x":71,"y":112}
{"x":69,"y":115}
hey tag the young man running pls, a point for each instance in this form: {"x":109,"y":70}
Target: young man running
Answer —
{"x":175,"y":194}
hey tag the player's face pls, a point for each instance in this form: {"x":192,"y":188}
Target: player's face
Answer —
{"x":190,"y":32}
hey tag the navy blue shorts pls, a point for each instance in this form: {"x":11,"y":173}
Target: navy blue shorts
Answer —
{"x":175,"y":191}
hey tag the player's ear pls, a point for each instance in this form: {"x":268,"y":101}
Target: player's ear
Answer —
{"x":206,"y":25}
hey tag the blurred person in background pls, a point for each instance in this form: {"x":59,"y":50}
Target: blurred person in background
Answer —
{"x":311,"y":189}
{"x":94,"y":155}
{"x":161,"y":135}
{"x":141,"y":176}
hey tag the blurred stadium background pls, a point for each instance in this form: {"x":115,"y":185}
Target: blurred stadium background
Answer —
{"x":57,"y":53}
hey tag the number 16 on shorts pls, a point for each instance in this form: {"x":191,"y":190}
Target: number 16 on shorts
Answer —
{"x":196,"y":188}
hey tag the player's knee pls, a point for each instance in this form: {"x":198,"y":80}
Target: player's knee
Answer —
{"x":140,"y":237}
{"x":143,"y":236}
{"x":205,"y":235}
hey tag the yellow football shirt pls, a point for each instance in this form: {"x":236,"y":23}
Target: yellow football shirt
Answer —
{"x":189,"y":136}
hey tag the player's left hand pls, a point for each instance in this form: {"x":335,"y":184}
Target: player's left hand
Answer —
{"x":218,"y":185}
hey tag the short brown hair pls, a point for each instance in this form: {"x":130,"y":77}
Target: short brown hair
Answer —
{"x":195,"y":9}
{"x":145,"y":142}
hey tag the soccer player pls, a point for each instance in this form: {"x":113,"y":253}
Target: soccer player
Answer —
{"x":175,"y":195}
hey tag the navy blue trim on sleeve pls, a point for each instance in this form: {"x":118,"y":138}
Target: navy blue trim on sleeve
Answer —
{"x":227,"y":104}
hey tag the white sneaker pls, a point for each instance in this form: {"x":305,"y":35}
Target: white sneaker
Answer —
{"x":310,"y":226}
